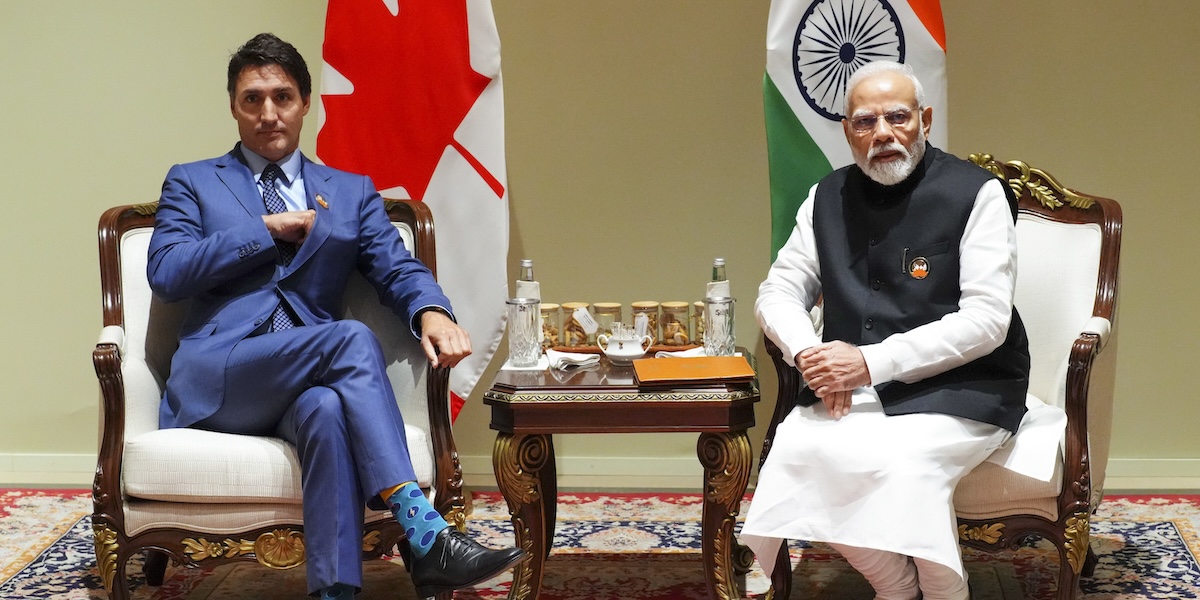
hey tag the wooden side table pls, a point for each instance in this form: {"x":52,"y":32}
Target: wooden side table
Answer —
{"x":528,"y":407}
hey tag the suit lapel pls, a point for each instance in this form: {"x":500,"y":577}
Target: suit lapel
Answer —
{"x":317,"y":182}
{"x":237,"y":177}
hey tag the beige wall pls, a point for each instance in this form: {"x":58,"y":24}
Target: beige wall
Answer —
{"x":636,"y":154}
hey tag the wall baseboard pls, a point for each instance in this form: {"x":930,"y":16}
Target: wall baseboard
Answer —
{"x":1143,"y":474}
{"x":36,"y":470}
{"x":675,"y":474}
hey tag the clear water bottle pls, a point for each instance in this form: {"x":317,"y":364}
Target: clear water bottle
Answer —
{"x":718,"y":313}
{"x":718,"y":287}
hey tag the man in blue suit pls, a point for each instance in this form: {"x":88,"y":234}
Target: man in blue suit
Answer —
{"x":260,"y":243}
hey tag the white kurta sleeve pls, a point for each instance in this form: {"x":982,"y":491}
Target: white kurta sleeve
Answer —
{"x":791,"y":289}
{"x":987,"y":278}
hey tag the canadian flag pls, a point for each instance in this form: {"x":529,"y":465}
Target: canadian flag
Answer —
{"x":411,"y":96}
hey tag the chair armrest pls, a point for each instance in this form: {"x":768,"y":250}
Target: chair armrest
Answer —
{"x":1100,"y":327}
{"x":447,"y":486}
{"x":1078,"y":492}
{"x":114,"y":335}
{"x":788,"y":390}
{"x":106,"y":489}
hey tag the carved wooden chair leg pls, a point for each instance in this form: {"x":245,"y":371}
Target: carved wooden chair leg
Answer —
{"x":1068,"y":579}
{"x":119,"y":588}
{"x":781,"y":577}
{"x":1089,"y":562}
{"x":155,"y":567}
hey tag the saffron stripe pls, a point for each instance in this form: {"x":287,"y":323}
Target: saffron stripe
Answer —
{"x":930,"y":14}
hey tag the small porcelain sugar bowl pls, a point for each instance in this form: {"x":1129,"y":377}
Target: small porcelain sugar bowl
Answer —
{"x":624,"y":345}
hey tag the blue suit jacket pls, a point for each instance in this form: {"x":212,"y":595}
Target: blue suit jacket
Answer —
{"x":211,"y":248}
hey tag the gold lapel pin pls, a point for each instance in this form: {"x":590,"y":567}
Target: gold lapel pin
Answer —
{"x":322,"y":202}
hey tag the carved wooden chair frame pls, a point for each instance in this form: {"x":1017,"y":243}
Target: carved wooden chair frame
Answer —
{"x":1037,"y":192}
{"x":276,"y":547}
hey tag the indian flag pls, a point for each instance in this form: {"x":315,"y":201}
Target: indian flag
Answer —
{"x":813,"y":47}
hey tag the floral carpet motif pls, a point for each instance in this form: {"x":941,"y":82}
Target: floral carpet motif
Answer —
{"x":618,"y":546}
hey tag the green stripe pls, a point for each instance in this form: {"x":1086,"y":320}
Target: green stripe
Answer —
{"x":795,"y":161}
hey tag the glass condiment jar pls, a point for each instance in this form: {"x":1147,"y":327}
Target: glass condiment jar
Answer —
{"x":606,"y":313}
{"x":698,"y":322}
{"x":573,"y":333}
{"x":674,"y":322}
{"x":551,"y":324}
{"x":650,"y":309}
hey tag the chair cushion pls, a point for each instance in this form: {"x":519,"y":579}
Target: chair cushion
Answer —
{"x":219,"y":519}
{"x":191,"y":465}
{"x":991,"y":491}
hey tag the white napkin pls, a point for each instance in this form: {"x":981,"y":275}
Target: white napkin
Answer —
{"x":566,"y":360}
{"x":690,"y":352}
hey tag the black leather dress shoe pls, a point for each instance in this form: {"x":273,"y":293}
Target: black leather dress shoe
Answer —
{"x":456,"y":561}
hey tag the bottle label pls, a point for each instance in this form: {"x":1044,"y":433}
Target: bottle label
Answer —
{"x":641,"y":325}
{"x":528,"y":289}
{"x":585,"y":320}
{"x":718,"y":289}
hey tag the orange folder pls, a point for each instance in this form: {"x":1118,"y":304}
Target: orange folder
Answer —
{"x":694,"y":369}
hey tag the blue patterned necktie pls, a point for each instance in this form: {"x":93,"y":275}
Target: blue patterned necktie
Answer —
{"x":280,"y":319}
{"x":274,"y":202}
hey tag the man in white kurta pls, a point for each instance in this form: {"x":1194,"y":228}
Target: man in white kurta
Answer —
{"x":922,"y":368}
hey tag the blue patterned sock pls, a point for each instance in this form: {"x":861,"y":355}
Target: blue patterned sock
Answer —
{"x":420,"y":521}
{"x":338,"y":591}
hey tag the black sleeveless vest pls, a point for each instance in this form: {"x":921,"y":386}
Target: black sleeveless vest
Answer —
{"x":889,"y":259}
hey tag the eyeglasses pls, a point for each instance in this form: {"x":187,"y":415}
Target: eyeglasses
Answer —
{"x":896,"y":118}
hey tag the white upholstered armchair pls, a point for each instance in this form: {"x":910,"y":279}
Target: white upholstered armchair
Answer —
{"x":1068,"y":249}
{"x":200,"y":497}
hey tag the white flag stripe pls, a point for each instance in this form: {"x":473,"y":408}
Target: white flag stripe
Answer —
{"x":485,"y":39}
{"x":470,"y":218}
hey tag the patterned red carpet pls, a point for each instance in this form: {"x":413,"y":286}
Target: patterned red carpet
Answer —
{"x":615,"y":546}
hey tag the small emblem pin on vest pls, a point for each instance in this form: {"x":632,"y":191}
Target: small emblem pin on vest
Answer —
{"x":918,"y":268}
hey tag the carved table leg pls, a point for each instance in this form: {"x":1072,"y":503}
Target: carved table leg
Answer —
{"x":726,"y":460}
{"x":522,"y":464}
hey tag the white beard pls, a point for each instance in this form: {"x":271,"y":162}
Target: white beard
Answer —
{"x":893,"y":172}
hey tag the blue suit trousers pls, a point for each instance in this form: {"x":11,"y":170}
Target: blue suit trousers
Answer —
{"x":323,"y":388}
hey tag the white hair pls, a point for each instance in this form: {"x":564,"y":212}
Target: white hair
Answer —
{"x":882,"y":66}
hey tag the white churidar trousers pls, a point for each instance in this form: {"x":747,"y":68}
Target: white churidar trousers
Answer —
{"x":868,"y":481}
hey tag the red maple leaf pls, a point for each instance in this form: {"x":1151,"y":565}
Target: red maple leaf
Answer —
{"x":413,"y":85}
